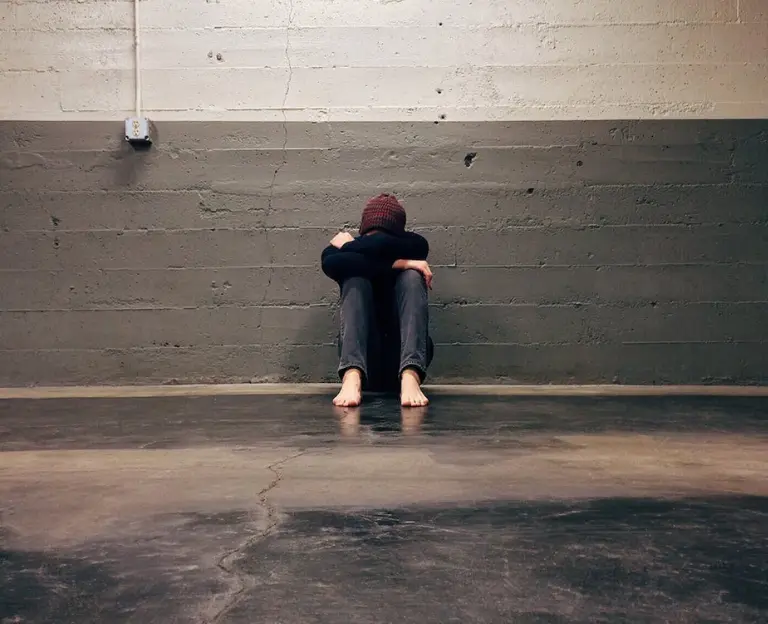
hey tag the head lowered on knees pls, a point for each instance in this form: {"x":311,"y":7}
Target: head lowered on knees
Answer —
{"x":383,"y":213}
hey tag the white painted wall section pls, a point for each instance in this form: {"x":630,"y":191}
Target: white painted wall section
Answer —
{"x":386,"y":59}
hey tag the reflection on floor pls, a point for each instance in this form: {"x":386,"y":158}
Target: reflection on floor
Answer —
{"x":482,"y":509}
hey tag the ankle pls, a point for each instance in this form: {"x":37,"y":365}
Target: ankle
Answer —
{"x":411,"y":374}
{"x":352,"y":376}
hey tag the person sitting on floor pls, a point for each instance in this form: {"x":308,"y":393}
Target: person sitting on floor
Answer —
{"x":383,"y":276}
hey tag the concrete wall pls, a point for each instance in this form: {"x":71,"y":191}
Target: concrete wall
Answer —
{"x":568,"y":251}
{"x":367,"y":60}
{"x":576,"y":247}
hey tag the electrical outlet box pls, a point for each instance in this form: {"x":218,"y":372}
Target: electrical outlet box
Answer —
{"x":137,"y":131}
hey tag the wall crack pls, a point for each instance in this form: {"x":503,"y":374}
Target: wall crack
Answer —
{"x":287,"y":92}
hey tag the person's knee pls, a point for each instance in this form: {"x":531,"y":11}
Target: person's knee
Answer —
{"x":358,"y":284}
{"x":412,"y":279}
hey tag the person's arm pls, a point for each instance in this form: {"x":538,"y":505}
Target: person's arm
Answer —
{"x":340,"y":264}
{"x":422,"y":266}
{"x":410,"y":246}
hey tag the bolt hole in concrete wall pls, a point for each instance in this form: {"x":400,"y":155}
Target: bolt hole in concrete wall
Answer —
{"x":644,"y":263}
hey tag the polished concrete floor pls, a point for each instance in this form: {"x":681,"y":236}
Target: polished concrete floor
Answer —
{"x":280,"y":510}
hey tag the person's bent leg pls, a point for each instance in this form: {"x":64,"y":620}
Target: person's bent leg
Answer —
{"x":413,"y":313}
{"x":356,"y":318}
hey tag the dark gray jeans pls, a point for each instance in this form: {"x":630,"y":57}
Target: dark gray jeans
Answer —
{"x":363,"y":344}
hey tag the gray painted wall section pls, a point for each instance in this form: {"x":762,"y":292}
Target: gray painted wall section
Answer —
{"x":567,"y":252}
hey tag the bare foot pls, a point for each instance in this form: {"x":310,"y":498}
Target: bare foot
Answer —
{"x":351,"y":389}
{"x":410,"y":390}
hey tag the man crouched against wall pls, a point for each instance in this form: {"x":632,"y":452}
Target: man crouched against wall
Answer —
{"x":383,"y":275}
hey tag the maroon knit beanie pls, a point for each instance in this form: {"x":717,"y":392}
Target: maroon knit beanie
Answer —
{"x":383,"y":213}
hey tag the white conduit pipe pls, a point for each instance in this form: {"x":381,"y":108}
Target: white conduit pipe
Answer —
{"x":137,"y":51}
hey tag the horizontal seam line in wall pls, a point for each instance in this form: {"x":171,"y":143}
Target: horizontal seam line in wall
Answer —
{"x":69,"y":28}
{"x":355,"y":146}
{"x":334,"y":345}
{"x":228,"y":306}
{"x":672,"y":112}
{"x":505,"y":24}
{"x":85,"y":267}
{"x":617,"y":305}
{"x":680,"y":107}
{"x":553,"y":25}
{"x":352,"y":147}
{"x":284,"y":68}
{"x":682,"y":25}
{"x":171,"y":230}
{"x":546,"y":266}
{"x":417,"y":228}
{"x":405,"y":66}
{"x":540,"y":22}
{"x":121,"y":310}
{"x":187,"y":347}
{"x":528,"y":104}
{"x":602,"y":265}
{"x":333,"y":305}
{"x":348,"y":188}
{"x":500,"y":25}
{"x":429,"y":227}
{"x":687,"y":342}
{"x":468,"y":185}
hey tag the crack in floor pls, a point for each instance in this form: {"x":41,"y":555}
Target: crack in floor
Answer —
{"x":227,"y":563}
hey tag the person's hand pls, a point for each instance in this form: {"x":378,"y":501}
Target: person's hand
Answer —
{"x":341,"y":239}
{"x":422,"y":266}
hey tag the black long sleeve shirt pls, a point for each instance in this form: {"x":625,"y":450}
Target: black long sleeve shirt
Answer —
{"x":372,"y":256}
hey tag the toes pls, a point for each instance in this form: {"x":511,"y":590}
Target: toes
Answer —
{"x":414,"y":401}
{"x":348,"y":401}
{"x":340,"y":401}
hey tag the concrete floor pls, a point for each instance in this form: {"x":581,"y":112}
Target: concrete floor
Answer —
{"x":277,"y":509}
